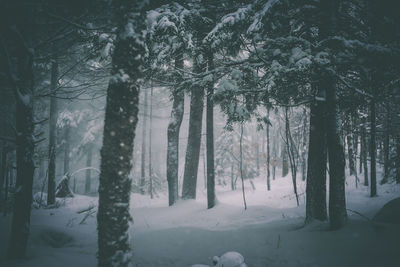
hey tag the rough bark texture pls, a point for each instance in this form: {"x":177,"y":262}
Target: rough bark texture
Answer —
{"x":337,"y":196}
{"x":51,"y":184}
{"x":23,"y":89}
{"x":173,"y":138}
{"x":194,"y":139}
{"x":316,"y":164}
{"x":211,"y":200}
{"x":121,"y":118}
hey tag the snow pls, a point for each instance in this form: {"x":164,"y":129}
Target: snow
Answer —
{"x":268,"y":233}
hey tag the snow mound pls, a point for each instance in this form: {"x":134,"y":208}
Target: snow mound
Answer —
{"x":390,"y":212}
{"x":229,"y":259}
{"x":54,"y":238}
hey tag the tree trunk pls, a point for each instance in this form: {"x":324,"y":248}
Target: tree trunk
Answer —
{"x":66,"y":148}
{"x":144,"y":136}
{"x":88,"y":171}
{"x":3,"y":171}
{"x":292,"y":160}
{"x":194,"y":138}
{"x":173,"y":138}
{"x":23,"y":89}
{"x":268,"y":156}
{"x":51,"y":184}
{"x":304,"y":148}
{"x":386,"y":148}
{"x":285,"y":164}
{"x":150,"y":139}
{"x":337,"y":195}
{"x":7,"y":182}
{"x":121,"y":116}
{"x":350,"y":154}
{"x":211,"y":200}
{"x":398,"y":159}
{"x":241,"y":164}
{"x":373,"y":147}
{"x":364,"y":151}
{"x":316,"y":163}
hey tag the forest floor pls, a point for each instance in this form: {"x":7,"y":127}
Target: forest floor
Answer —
{"x":269,"y":233}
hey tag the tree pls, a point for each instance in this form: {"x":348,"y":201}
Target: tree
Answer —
{"x":51,"y":185}
{"x":119,"y":127}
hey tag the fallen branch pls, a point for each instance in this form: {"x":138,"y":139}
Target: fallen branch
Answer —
{"x":86,"y":209}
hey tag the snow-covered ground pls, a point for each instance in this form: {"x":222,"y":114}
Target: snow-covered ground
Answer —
{"x":268,"y":233}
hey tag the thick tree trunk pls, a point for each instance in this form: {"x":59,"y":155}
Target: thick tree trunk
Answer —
{"x":88,"y":171}
{"x":173,"y":138}
{"x":121,"y":116}
{"x":373,"y":147}
{"x":337,"y":196}
{"x":23,"y":89}
{"x":194,"y":139}
{"x":316,"y":163}
{"x":211,"y":200}
{"x":66,"y":148}
{"x":51,"y":184}
{"x":144,"y":147}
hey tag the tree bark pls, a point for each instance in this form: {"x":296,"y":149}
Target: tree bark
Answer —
{"x":364,"y":151}
{"x":241,"y":164}
{"x":337,"y":195}
{"x":150,"y":139}
{"x":373,"y":146}
{"x":211,"y":199}
{"x":23,"y":90}
{"x":194,"y":139}
{"x":304,"y":148}
{"x":144,"y":136}
{"x":121,"y":118}
{"x":316,"y":163}
{"x":285,"y":164}
{"x":51,"y":184}
{"x":386,"y":148}
{"x":173,"y":138}
{"x":350,"y":154}
{"x":292,"y":160}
